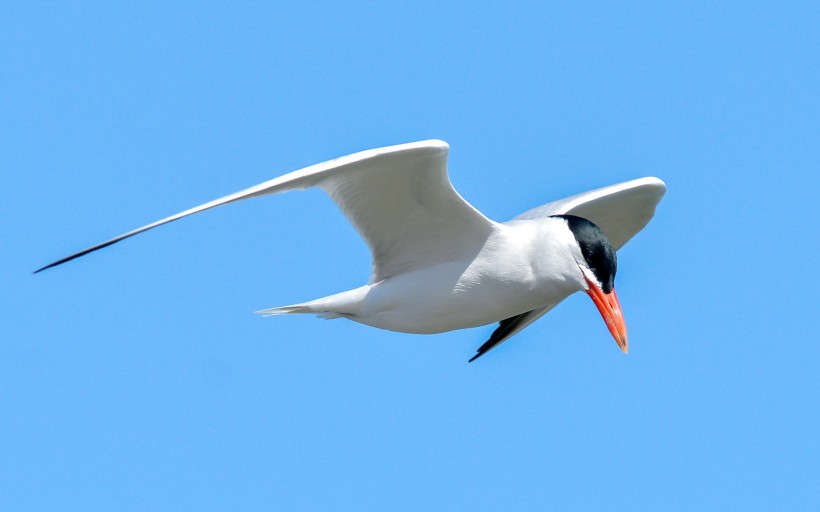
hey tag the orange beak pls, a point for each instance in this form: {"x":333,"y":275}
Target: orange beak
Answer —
{"x":610,"y":309}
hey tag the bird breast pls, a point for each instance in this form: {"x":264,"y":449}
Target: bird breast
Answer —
{"x":520,"y":268}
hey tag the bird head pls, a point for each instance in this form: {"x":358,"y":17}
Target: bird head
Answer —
{"x":598,"y":262}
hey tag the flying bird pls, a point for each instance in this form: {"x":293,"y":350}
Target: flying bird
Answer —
{"x":438,"y":264}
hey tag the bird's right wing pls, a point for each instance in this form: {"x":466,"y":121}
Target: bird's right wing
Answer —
{"x":620,"y":210}
{"x":508,"y":328}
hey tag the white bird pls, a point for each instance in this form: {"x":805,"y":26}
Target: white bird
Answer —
{"x":440,"y":265}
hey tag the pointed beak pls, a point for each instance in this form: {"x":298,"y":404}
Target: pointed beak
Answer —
{"x":610,"y":309}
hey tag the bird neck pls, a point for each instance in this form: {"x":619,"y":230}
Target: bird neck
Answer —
{"x":551,"y":253}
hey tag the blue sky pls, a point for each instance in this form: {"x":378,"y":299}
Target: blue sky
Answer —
{"x":137,"y":378}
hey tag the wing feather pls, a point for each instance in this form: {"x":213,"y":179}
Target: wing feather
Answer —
{"x":508,"y":328}
{"x":399,"y":198}
{"x":620,"y":210}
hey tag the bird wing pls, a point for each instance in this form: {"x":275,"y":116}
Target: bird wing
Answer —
{"x":620,"y":210}
{"x":508,"y":328}
{"x":399,"y":198}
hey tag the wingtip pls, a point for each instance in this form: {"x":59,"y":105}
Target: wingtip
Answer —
{"x":655,"y":181}
{"x":439,"y":144}
{"x":429,"y":145}
{"x":86,"y":251}
{"x":60,"y":261}
{"x":46,"y":267}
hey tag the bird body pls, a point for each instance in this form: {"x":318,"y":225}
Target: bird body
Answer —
{"x":438,"y":264}
{"x":521,"y":266}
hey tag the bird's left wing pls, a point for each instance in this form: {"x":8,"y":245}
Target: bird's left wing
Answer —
{"x":620,"y":210}
{"x":399,"y":198}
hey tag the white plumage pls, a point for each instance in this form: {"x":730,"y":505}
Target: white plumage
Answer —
{"x":438,"y":264}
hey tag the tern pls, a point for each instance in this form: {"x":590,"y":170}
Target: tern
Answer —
{"x":438,"y":264}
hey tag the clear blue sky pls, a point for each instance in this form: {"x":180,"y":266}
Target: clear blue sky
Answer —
{"x":138,"y":378}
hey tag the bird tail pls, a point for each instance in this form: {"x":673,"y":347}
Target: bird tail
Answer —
{"x":286,"y":310}
{"x":343,"y":304}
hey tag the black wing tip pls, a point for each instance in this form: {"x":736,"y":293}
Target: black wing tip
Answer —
{"x":58,"y":262}
{"x":499,"y":335}
{"x":504,"y":330}
{"x":81,"y":253}
{"x":476,"y":356}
